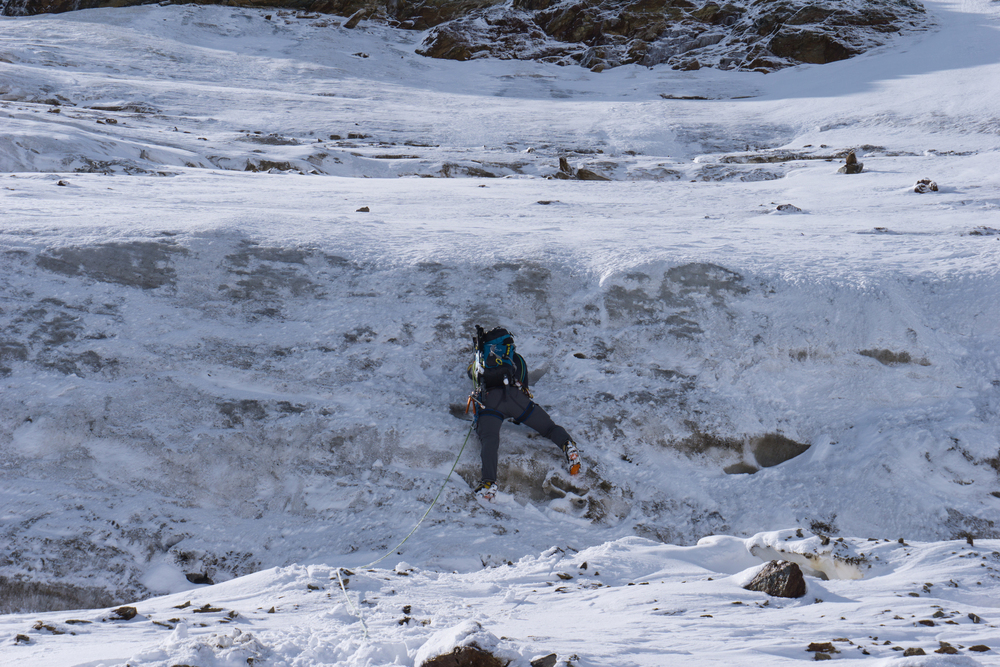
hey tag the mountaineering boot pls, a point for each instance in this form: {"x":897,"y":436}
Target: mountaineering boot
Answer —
{"x":572,"y":457}
{"x":486,"y":491}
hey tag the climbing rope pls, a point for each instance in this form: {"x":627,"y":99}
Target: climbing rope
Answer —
{"x":340,"y":580}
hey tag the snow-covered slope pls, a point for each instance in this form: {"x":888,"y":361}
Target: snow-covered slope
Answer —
{"x":213,"y":371}
{"x":631,"y":601}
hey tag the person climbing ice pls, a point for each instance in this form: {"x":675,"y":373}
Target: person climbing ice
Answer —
{"x":500,"y":391}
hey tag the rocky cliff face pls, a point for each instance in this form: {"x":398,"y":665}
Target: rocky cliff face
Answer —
{"x":762,"y":35}
{"x":759,"y":35}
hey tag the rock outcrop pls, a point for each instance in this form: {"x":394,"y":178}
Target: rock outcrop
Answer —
{"x":762,"y":35}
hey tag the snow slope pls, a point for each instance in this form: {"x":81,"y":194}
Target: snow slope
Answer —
{"x":630,"y":601}
{"x":213,"y":371}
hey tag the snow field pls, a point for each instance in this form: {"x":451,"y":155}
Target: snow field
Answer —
{"x":629,"y":599}
{"x":216,"y":372}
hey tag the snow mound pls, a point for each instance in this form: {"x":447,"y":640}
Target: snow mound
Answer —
{"x":818,"y":556}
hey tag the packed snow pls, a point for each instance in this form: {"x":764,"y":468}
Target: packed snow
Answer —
{"x":243,"y":252}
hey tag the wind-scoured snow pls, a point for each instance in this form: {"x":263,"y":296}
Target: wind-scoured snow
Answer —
{"x":213,"y":364}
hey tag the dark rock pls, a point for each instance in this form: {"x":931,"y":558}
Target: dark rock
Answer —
{"x":124,"y":613}
{"x":356,"y":18}
{"x":39,"y":625}
{"x":199,"y":578}
{"x":808,"y":46}
{"x":788,"y":208}
{"x":363,"y":209}
{"x":268,"y":165}
{"x":913,"y":651}
{"x":852,"y":166}
{"x":741,"y":468}
{"x":27,"y":640}
{"x":947,"y":649}
{"x":565,"y":168}
{"x":780,"y":579}
{"x":773,"y":449}
{"x":588,"y":175}
{"x":822,"y":656}
{"x":889,"y":358}
{"x":466,"y":656}
{"x":925,"y":185}
{"x":824,"y":647}
{"x":979,"y":648}
{"x":547,"y":661}
{"x":974,"y":618}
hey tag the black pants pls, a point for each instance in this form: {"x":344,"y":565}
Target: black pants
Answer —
{"x":511,"y":402}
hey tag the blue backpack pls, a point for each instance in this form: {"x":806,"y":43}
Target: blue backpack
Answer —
{"x":497,"y":363}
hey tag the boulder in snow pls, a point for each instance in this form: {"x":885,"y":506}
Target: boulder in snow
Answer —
{"x":780,"y":579}
{"x":464,"y":645}
{"x":852,"y":166}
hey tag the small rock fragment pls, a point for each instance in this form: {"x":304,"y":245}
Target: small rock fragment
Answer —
{"x":545,"y":661}
{"x":822,"y":647}
{"x":925,"y":185}
{"x":913,"y":651}
{"x":978,"y":648}
{"x":124,"y":613}
{"x":363,"y":209}
{"x":974,"y":618}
